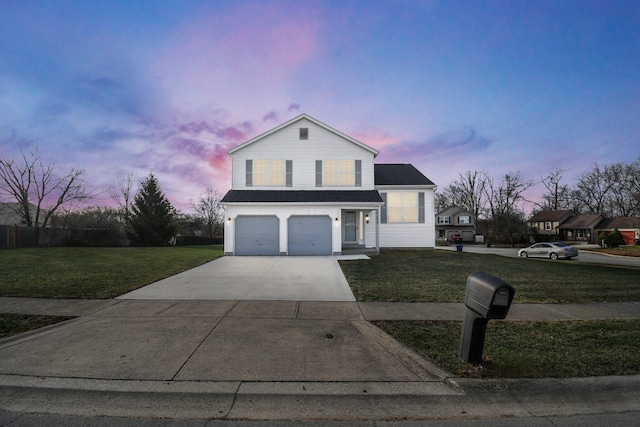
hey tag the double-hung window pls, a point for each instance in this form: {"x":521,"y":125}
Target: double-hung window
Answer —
{"x":403,"y":207}
{"x":444,"y":220}
{"x":338,"y":173}
{"x":464,"y":219}
{"x":268,"y":173}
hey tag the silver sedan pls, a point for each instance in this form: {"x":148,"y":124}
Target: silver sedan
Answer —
{"x":553,"y":250}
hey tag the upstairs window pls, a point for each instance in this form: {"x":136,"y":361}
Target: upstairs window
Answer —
{"x":304,"y":133}
{"x":338,"y":173}
{"x":547,"y":225}
{"x":269,"y":173}
{"x":464,"y":219}
{"x":444,"y":220}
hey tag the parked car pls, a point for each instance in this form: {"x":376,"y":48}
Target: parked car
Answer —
{"x":551,"y":250}
{"x":455,"y":238}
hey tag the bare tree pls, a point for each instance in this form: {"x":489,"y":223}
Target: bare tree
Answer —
{"x":623,"y":198}
{"x":32,"y":183}
{"x":467,"y":191}
{"x":557,"y":196}
{"x":470,"y":188}
{"x":503,"y":199}
{"x":593,"y":188}
{"x":633,"y":183}
{"x":442,"y":201}
{"x":124,"y":194}
{"x":209,"y":209}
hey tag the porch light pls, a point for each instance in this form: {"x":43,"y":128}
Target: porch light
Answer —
{"x":337,"y":221}
{"x":366,"y":218}
{"x":228,"y":220}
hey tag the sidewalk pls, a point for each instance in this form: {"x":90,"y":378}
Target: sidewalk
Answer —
{"x":370,"y":311}
{"x":277,"y":360}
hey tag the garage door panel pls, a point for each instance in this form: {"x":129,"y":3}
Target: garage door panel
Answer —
{"x":257,"y":235}
{"x":309,"y":235}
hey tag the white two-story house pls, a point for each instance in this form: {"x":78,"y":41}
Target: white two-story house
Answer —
{"x":304,"y":188}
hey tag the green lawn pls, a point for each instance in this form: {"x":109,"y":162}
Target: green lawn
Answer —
{"x":530,"y":349}
{"x":512,"y":349}
{"x":441,"y":276}
{"x":11,"y":324}
{"x":93,"y":272}
{"x":620,"y":251}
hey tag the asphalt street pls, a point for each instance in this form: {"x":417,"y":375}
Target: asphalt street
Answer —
{"x":584,"y":255}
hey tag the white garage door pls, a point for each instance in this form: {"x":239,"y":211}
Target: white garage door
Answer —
{"x":257,"y":235}
{"x":309,"y":235}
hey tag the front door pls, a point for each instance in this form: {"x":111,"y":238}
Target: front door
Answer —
{"x":350,"y":227}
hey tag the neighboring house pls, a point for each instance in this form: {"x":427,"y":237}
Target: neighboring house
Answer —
{"x":580,"y":228}
{"x":304,"y":188}
{"x":547,"y":223}
{"x":455,"y":220}
{"x":629,"y":227}
{"x":11,"y":214}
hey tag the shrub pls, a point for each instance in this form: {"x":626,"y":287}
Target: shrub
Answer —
{"x":614,"y":239}
{"x":602,"y":237}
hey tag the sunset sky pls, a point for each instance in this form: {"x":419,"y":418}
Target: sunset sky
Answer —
{"x":170,"y":86}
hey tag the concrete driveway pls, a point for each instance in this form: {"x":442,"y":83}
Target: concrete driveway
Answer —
{"x":254,"y":278}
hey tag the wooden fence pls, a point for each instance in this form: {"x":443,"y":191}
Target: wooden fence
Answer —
{"x":13,"y":236}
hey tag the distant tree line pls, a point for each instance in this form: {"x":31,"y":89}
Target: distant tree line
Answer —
{"x":499,"y":205}
{"x":41,"y":195}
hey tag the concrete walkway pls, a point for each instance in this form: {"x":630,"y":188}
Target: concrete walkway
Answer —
{"x":370,"y":311}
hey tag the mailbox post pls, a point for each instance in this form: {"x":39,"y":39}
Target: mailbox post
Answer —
{"x":487,"y":297}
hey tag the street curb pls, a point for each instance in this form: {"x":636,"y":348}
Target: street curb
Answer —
{"x":320,"y":400}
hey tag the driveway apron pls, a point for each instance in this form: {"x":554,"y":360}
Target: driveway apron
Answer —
{"x":254,"y":278}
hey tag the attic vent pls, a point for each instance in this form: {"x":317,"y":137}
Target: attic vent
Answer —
{"x":304,"y":133}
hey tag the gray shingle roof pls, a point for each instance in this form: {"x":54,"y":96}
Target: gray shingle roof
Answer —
{"x":581,"y":221}
{"x":549,"y":215}
{"x":399,"y":174}
{"x":620,"y":222}
{"x":302,"y":196}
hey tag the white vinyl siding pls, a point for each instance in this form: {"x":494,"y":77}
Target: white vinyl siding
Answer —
{"x":410,"y":235}
{"x":304,"y":154}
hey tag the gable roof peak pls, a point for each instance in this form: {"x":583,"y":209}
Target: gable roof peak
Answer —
{"x":296,"y":119}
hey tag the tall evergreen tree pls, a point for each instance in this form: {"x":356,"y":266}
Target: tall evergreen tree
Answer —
{"x":152,"y":216}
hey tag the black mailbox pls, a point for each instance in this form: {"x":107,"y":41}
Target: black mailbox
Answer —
{"x":487,"y":297}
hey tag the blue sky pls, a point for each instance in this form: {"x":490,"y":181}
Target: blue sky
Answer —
{"x":450,"y":86}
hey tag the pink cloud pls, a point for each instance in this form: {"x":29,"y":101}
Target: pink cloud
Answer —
{"x":240,"y":58}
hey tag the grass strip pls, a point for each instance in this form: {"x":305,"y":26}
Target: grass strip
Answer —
{"x":620,"y":251}
{"x":560,"y":349}
{"x":441,"y":276}
{"x":93,"y":272}
{"x":12,"y":324}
